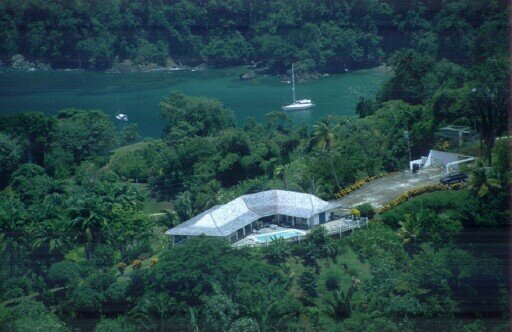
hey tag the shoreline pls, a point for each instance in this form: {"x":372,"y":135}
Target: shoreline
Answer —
{"x":19,"y":63}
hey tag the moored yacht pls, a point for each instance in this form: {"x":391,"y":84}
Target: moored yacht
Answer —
{"x":300,"y":104}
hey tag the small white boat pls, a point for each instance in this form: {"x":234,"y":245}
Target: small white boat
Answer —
{"x":122,"y":117}
{"x":301,"y":104}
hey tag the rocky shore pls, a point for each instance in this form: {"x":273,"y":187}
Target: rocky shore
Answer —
{"x":18,"y":61}
{"x":128,"y":66}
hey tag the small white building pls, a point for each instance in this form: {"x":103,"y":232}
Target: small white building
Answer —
{"x":241,"y":216}
{"x":447,"y":160}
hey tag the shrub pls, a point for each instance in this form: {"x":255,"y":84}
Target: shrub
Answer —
{"x":104,"y":256}
{"x":308,"y":283}
{"x":332,"y":282}
{"x":319,"y":245}
{"x":244,"y":324}
{"x":219,"y":312}
{"x":13,"y":293}
{"x":358,"y":184}
{"x":419,"y":191}
{"x":84,"y":300}
{"x":121,"y":267}
{"x":136,"y":264}
{"x":355,"y":212}
{"x":378,"y":242}
{"x":31,"y":315}
{"x":135,"y":251}
{"x":63,"y":273}
{"x":153,"y":261}
{"x":109,"y":325}
{"x":116,"y":292}
{"x":352,"y":272}
{"x":100,"y":281}
{"x":76,"y":255}
{"x":366,"y":210}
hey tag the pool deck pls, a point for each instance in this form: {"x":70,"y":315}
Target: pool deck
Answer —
{"x":339,"y":226}
{"x":248,"y":241}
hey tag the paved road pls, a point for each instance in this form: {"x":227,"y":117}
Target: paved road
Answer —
{"x":383,"y":190}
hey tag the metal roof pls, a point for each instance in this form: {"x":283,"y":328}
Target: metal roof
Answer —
{"x":222,"y":220}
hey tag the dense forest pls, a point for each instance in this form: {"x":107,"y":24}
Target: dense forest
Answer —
{"x":82,"y":249}
{"x":320,"y":35}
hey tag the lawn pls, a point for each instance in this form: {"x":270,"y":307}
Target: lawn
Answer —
{"x":131,"y":147}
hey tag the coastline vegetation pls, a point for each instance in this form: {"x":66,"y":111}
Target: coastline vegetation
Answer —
{"x":320,"y":36}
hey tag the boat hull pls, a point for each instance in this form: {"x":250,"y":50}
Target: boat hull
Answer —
{"x":297,"y":107}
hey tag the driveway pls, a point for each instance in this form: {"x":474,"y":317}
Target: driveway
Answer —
{"x":383,"y":190}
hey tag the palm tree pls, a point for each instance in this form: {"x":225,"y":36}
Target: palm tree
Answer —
{"x":212,"y":192}
{"x":48,"y":228}
{"x":339,"y":307}
{"x":489,"y":105}
{"x":409,"y":232}
{"x":12,"y":229}
{"x":305,"y":183}
{"x":90,"y":222}
{"x":278,"y":251}
{"x":49,"y":235}
{"x":281,"y":171}
{"x":324,"y":137}
{"x":483,"y":180}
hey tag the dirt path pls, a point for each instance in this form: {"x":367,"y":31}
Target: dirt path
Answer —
{"x":28,"y":297}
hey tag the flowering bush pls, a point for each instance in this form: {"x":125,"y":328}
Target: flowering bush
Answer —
{"x":358,"y":184}
{"x":442,"y":145}
{"x":153,"y":261}
{"x":121,"y":266}
{"x":136,"y":264}
{"x":355,"y":212}
{"x":419,"y":191}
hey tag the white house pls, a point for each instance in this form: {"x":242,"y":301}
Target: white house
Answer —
{"x":238,"y":218}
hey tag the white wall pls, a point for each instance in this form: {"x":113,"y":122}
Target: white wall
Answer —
{"x":441,"y":158}
{"x":315,"y":220}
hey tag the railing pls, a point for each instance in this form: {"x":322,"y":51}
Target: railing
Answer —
{"x":338,"y":226}
{"x":344,"y":225}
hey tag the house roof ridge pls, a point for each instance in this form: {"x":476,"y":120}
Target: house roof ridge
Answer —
{"x":312,"y":205}
{"x":247,"y":205}
{"x":215,"y":222}
{"x":277,"y":201}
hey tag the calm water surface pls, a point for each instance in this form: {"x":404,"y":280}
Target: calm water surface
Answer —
{"x":138,"y":94}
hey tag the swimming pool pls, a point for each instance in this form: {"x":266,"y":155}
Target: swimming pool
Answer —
{"x":282,"y":234}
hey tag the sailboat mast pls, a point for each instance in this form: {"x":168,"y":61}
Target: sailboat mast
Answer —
{"x":293,"y":83}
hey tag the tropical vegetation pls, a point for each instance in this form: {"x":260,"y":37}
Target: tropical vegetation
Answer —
{"x":83,"y":211}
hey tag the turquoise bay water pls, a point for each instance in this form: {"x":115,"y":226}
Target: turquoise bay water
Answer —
{"x":138,"y":94}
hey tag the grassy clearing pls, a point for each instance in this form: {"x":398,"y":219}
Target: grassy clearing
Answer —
{"x":150,"y":205}
{"x":125,"y":149}
{"x":131,"y":147}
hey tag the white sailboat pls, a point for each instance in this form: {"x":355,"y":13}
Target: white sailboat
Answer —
{"x":122,"y":117}
{"x":300,"y":104}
